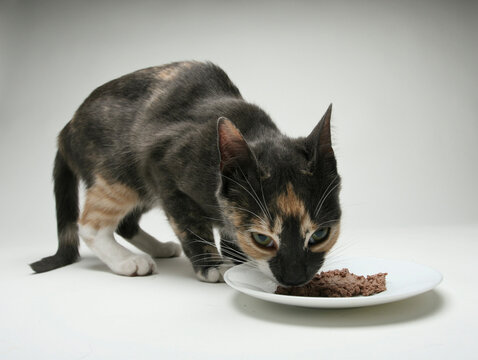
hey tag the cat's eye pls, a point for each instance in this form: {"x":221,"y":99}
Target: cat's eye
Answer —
{"x":263,"y":240}
{"x":319,"y":236}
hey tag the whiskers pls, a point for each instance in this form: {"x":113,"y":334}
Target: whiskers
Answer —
{"x":327,"y":222}
{"x":336,"y":254}
{"x":324,"y":196}
{"x":262,"y":204}
{"x":227,"y":253}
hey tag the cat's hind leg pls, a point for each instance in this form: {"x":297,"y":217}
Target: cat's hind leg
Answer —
{"x":105,"y":205}
{"x":130,"y":230}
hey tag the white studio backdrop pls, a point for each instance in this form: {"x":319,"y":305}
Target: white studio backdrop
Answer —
{"x":402,"y":77}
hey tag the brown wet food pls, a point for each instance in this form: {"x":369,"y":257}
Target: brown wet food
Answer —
{"x":338,"y":283}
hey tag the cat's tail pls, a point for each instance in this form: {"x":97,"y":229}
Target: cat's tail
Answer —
{"x":67,"y":212}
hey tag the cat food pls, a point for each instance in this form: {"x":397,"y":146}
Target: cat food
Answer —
{"x":338,"y":283}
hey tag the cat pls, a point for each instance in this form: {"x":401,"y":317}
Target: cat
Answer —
{"x":181,"y":137}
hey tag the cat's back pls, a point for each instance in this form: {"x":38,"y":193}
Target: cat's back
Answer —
{"x":115,"y":115}
{"x":180,"y":81}
{"x":159,"y":93}
{"x":184,"y":87}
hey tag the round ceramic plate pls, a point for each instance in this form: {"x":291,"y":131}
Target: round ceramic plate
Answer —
{"x":405,"y":279}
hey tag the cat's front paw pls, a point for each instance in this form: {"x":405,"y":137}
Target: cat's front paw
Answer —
{"x":213,"y":274}
{"x":167,"y":249}
{"x":135,"y":265}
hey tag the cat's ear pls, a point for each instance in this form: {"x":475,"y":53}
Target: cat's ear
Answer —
{"x":233,"y":149}
{"x":319,"y":142}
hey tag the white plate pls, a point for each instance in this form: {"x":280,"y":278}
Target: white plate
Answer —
{"x":405,"y":279}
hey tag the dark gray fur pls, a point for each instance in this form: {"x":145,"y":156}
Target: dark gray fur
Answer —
{"x":159,"y":137}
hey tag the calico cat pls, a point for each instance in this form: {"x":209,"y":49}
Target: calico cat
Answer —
{"x":181,"y":137}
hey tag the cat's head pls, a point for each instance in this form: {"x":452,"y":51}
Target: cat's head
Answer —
{"x":281,"y":196}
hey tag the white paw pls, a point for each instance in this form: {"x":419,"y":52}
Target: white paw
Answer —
{"x":213,"y":274}
{"x":167,"y":249}
{"x":135,"y":265}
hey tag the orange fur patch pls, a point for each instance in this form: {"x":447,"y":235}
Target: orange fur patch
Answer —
{"x":289,"y":203}
{"x":244,"y":238}
{"x":246,"y":244}
{"x":106,"y":204}
{"x":235,"y":216}
{"x":170,"y":72}
{"x":307,"y":225}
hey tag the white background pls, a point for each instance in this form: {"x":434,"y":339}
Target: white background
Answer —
{"x":403,"y":80}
